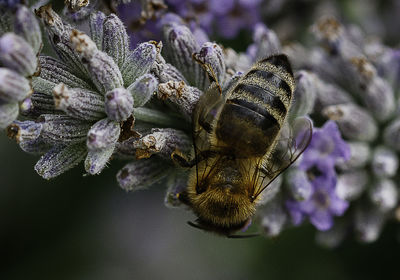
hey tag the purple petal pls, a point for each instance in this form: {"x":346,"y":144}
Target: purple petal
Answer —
{"x":322,"y":220}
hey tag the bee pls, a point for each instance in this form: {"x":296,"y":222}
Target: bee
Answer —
{"x":238,"y":146}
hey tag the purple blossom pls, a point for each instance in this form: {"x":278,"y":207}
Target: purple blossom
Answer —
{"x":326,"y":147}
{"x":322,"y":205}
{"x":318,"y":161}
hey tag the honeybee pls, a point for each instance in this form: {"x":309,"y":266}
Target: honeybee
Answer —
{"x":238,"y":147}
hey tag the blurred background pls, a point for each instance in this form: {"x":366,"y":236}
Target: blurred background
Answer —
{"x":81,"y":227}
{"x":77,"y":227}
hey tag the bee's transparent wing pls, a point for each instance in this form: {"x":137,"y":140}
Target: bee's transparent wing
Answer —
{"x":290,"y":146}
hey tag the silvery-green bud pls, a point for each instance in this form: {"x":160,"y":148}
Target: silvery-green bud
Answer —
{"x":139,"y":174}
{"x":374,"y":92}
{"x":163,"y":142}
{"x":384,"y":194}
{"x":360,"y":154}
{"x":60,"y":159}
{"x":166,"y":72}
{"x":8,"y":113}
{"x":96,"y":160}
{"x":27,"y":26}
{"x":104,"y":72}
{"x":142,"y":89}
{"x":266,"y":42}
{"x":183,"y":96}
{"x":35,"y":147}
{"x":115,"y":39}
{"x":391,"y":134}
{"x":13,"y":87}
{"x":103,"y":134}
{"x":139,"y":62}
{"x":176,"y":183}
{"x":354,"y":122}
{"x":79,"y":103}
{"x":329,"y":94}
{"x":56,"y":72}
{"x":119,"y":104}
{"x":384,"y":162}
{"x":96,"y":23}
{"x":60,"y":38}
{"x":274,"y":217}
{"x":350,"y":185}
{"x":42,"y":104}
{"x":212,"y":55}
{"x":17,"y":54}
{"x":271,"y":192}
{"x":304,"y":95}
{"x":61,"y":129}
{"x":368,"y":222}
{"x":24,"y":131}
{"x":179,"y":47}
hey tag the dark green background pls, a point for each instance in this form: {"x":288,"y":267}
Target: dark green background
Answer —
{"x":77,"y":227}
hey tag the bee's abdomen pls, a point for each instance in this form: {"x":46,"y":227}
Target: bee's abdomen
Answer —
{"x":259,"y":103}
{"x":268,"y":85}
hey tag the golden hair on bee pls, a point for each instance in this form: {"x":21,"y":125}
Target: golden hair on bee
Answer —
{"x":238,"y":148}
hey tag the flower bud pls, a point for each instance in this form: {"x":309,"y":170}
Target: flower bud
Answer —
{"x":24,"y":131}
{"x":103,"y":134}
{"x":304,"y":95}
{"x":163,"y":142}
{"x":329,"y":94}
{"x":360,"y":154}
{"x":391,"y":134}
{"x":96,"y":160}
{"x":60,"y":38}
{"x":60,"y":159}
{"x":183,"y":96}
{"x":119,"y":104}
{"x":96,"y":24}
{"x":384,"y":194}
{"x":61,"y":129}
{"x":212,"y":55}
{"x":26,"y":26}
{"x":384,"y":162}
{"x":79,"y":103}
{"x":157,"y":118}
{"x":115,"y":39}
{"x":166,"y":72}
{"x":17,"y":54}
{"x":42,"y":104}
{"x":35,"y":147}
{"x":266,"y":43}
{"x":180,"y":47}
{"x":8,"y":113}
{"x":142,"y":89}
{"x":139,"y":62}
{"x":139,"y":174}
{"x":350,"y":185}
{"x":368,"y":222}
{"x":354,"y":122}
{"x":13,"y":87}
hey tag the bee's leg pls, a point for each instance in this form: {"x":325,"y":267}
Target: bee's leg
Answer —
{"x":182,"y":160}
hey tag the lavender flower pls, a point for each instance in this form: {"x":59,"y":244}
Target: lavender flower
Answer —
{"x":19,"y":45}
{"x":89,"y":101}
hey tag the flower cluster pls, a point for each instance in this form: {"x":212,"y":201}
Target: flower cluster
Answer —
{"x":356,"y":82}
{"x":98,"y":100}
{"x":20,"y":43}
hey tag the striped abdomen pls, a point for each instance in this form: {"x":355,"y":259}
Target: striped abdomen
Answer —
{"x":256,"y":107}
